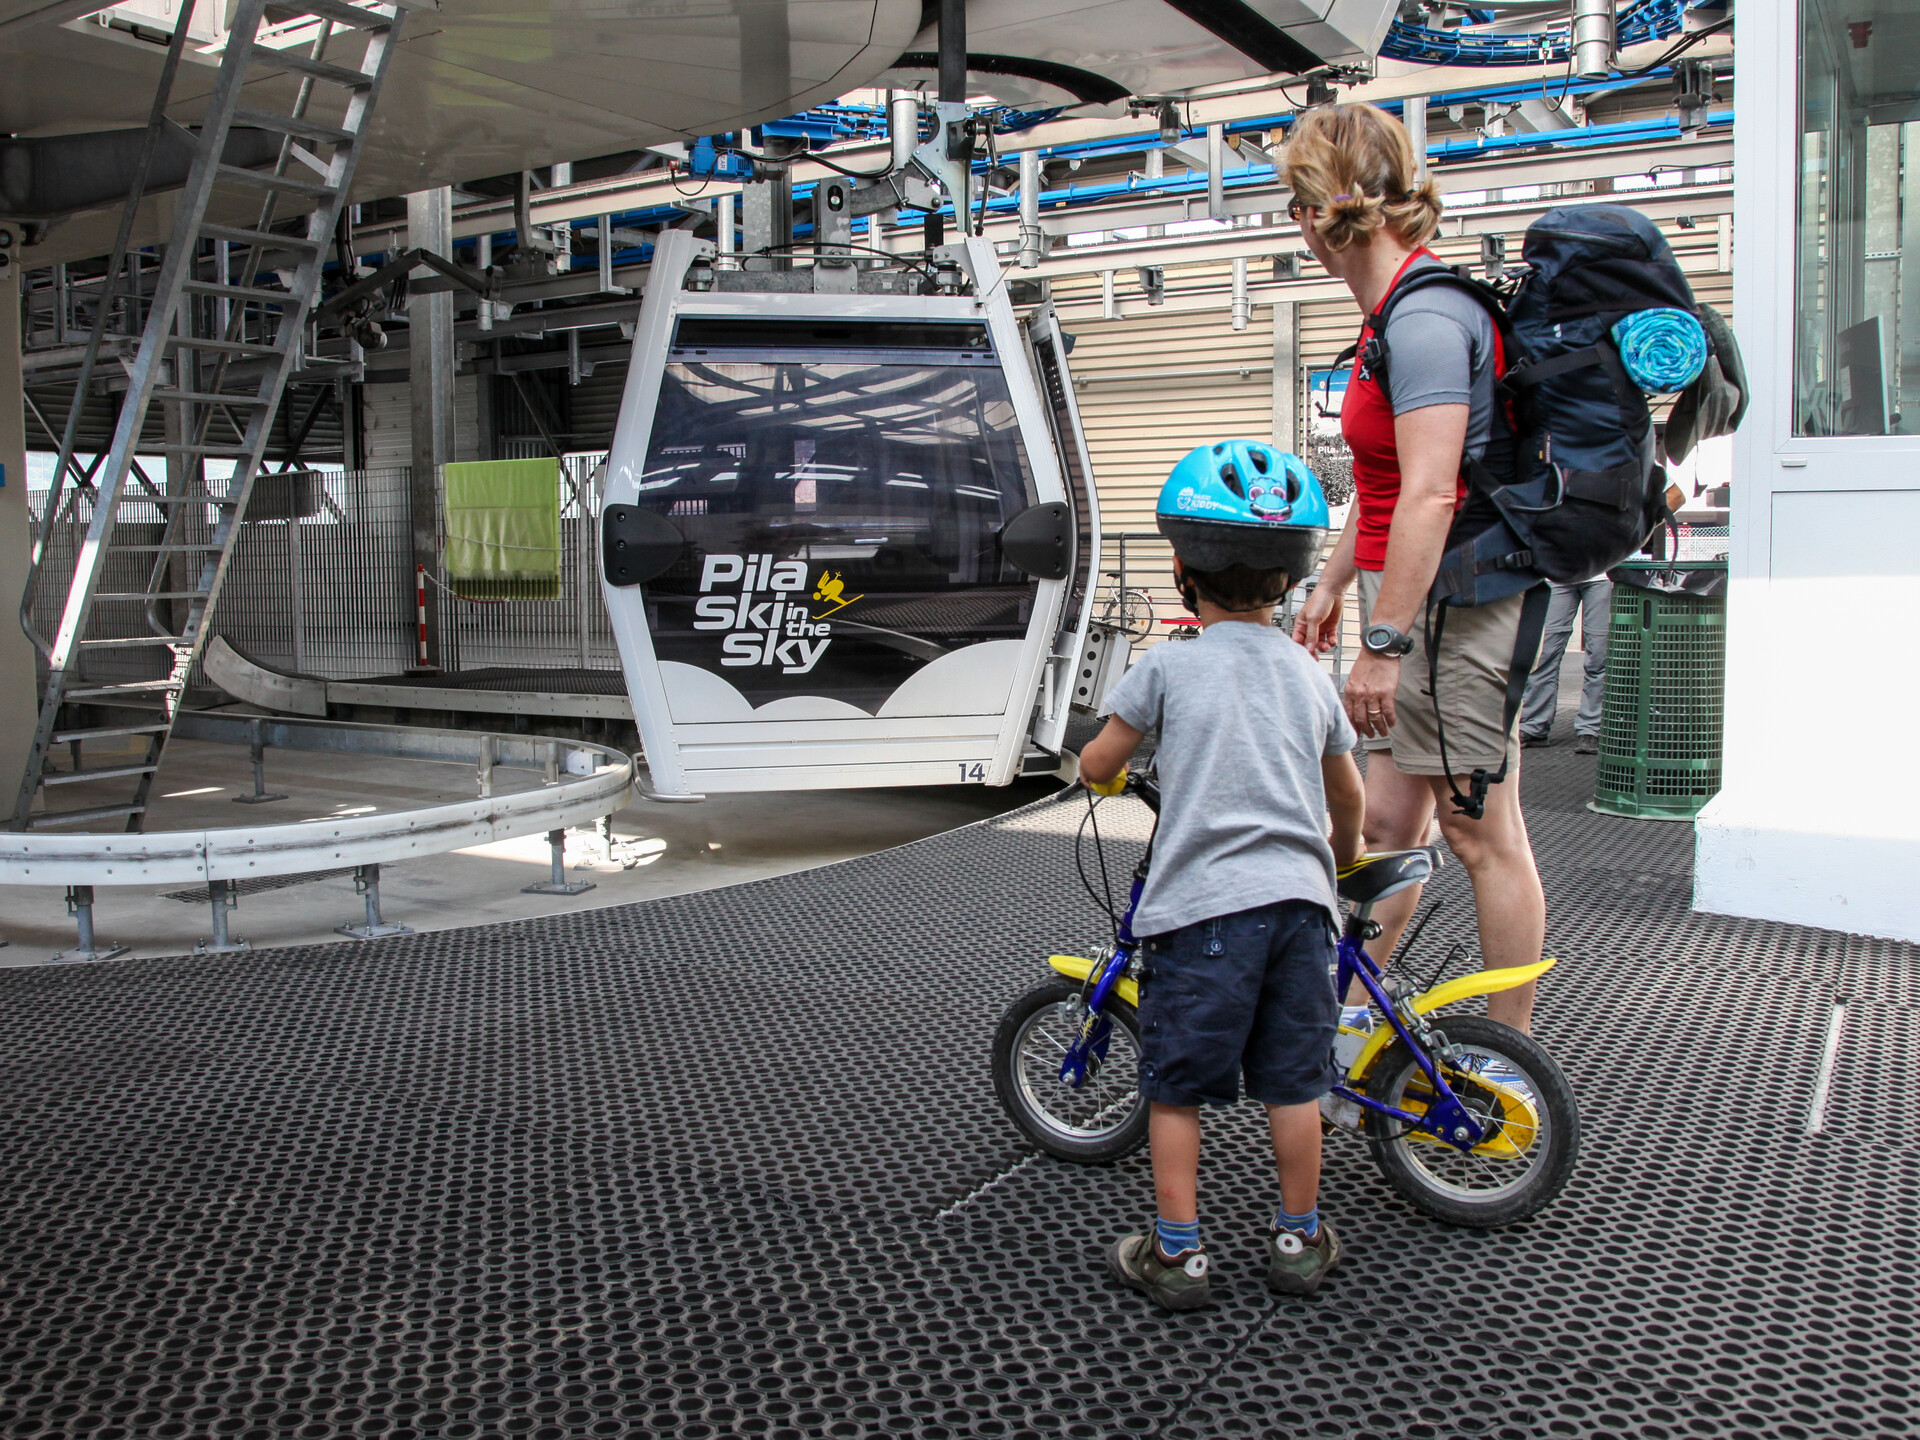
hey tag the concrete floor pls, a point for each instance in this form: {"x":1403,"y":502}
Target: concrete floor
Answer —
{"x":655,"y":850}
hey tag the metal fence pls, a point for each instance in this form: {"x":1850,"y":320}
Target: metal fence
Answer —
{"x":1135,"y":592}
{"x":569,"y":633}
{"x":333,"y":593}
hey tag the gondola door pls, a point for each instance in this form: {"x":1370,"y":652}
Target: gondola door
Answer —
{"x":837,"y":537}
{"x":1073,"y":671}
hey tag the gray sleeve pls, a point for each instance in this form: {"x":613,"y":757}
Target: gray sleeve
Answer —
{"x":1431,"y":357}
{"x":1340,"y":732}
{"x":1139,"y":696}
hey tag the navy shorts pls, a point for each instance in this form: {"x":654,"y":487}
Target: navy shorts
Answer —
{"x":1247,"y":993}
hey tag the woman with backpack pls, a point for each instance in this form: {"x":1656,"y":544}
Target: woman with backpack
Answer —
{"x":1366,"y":214}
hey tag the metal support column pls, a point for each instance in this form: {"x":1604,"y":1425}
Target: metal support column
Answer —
{"x":766,"y":212}
{"x":1593,"y":38}
{"x":1286,"y":375}
{"x":558,"y":884}
{"x":221,"y":897}
{"x":296,"y":579}
{"x":431,"y":362}
{"x":1216,"y":171}
{"x":257,"y":753}
{"x":1155,"y":168}
{"x":366,"y":883}
{"x":1414,"y":111}
{"x":80,"y":906}
{"x":18,"y":703}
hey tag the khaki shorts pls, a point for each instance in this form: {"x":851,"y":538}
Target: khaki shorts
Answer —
{"x":1476,"y":654}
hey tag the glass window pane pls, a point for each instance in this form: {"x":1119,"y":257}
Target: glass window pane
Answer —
{"x":1857,"y":241}
{"x":862,"y":498}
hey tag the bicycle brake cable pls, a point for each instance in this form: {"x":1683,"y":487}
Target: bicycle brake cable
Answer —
{"x":1407,"y":941}
{"x":1105,"y":903}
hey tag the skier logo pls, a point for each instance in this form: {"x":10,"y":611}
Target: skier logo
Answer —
{"x":832,"y":590}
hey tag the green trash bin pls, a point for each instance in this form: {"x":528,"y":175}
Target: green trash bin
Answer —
{"x":1661,"y":714}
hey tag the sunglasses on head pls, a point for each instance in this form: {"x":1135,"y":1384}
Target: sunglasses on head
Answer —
{"x":1295,"y":209}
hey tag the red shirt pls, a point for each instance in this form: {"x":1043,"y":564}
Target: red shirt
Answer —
{"x":1366,"y":420}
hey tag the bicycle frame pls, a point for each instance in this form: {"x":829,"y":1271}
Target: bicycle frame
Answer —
{"x":1446,"y":1119}
{"x":1103,"y":978}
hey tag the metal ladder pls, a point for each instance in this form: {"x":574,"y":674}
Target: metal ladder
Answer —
{"x":215,"y":353}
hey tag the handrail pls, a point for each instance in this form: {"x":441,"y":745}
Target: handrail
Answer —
{"x":584,"y":782}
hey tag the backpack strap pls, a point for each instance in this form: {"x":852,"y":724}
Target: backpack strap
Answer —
{"x":1421,"y":279}
{"x":1526,"y":648}
{"x":1523,"y":376}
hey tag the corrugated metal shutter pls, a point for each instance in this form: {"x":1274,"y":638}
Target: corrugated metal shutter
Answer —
{"x":388,"y":411}
{"x":594,"y":406}
{"x":388,"y":418}
{"x":1142,"y":413}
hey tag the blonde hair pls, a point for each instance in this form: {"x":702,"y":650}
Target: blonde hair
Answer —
{"x":1355,"y":163}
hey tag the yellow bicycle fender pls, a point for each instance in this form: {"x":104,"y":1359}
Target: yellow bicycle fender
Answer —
{"x":1481,"y":982}
{"x":1075,"y":967}
{"x":1484,"y":982}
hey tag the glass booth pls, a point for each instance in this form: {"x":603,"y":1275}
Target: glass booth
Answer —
{"x":1824,"y":555}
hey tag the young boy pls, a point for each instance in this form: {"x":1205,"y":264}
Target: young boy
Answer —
{"x":1239,"y":908}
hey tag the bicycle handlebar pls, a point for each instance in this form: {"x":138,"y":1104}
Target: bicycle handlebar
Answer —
{"x":1147,"y":789}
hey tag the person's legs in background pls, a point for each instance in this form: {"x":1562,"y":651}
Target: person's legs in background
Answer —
{"x":1399,"y":817}
{"x":1542,"y":697}
{"x":1596,"y":618}
{"x":1507,"y":898}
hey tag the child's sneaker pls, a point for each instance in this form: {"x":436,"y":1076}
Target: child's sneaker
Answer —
{"x":1297,"y":1265}
{"x":1183,"y":1285}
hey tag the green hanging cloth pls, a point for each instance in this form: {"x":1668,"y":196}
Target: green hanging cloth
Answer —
{"x":503,"y":528}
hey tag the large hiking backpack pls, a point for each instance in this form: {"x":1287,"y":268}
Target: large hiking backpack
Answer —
{"x":1570,"y":483}
{"x":1574,"y":480}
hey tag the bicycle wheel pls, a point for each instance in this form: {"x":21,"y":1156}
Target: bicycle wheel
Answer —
{"x":1100,"y":1122}
{"x":1130,"y":612}
{"x":1514,"y":1090}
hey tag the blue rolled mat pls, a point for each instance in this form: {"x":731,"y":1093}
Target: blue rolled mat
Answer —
{"x":1664,"y":350}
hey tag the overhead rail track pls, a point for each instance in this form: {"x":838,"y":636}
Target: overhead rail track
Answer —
{"x":1249,"y":193}
{"x":129,"y":595}
{"x":656,"y":196}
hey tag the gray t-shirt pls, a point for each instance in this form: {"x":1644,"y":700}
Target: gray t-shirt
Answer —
{"x":1245,"y":717}
{"x":1440,"y":349}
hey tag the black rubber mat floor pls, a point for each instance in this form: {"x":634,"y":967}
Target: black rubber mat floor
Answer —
{"x":730,"y":1165}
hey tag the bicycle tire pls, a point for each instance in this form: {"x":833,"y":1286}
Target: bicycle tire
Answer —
{"x":1130,"y":612}
{"x":1125,"y":1126}
{"x":1402,"y":1153}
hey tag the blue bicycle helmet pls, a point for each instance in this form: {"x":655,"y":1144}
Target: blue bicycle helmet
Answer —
{"x":1242,"y":502}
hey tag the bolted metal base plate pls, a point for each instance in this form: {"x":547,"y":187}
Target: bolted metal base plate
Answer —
{"x":372,"y":932}
{"x":730,"y":1164}
{"x":85,"y":957}
{"x":547,"y":887}
{"x":256,"y":799}
{"x":232,"y":947}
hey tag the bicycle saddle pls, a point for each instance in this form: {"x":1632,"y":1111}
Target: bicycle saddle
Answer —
{"x":1374,"y":877}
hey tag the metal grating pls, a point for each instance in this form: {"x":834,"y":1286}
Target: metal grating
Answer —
{"x":729,"y":1164}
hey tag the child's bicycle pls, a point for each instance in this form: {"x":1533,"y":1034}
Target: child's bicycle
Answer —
{"x":1473,"y":1123}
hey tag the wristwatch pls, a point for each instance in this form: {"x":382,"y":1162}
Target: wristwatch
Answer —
{"x":1385,"y":640}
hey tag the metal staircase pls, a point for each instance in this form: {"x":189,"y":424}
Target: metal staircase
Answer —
{"x":224,"y":329}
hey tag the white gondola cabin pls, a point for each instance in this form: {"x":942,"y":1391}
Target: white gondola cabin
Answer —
{"x":848,"y":539}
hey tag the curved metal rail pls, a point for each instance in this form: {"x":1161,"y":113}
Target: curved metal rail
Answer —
{"x":582,"y":783}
